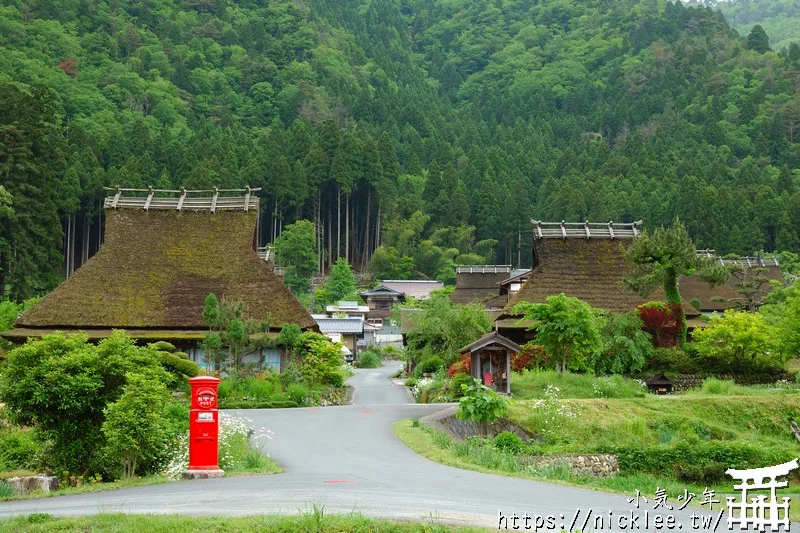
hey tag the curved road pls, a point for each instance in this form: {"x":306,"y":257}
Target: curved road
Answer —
{"x":348,"y":458}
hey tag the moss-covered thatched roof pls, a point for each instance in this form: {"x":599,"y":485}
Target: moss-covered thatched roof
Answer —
{"x":593,"y":270}
{"x":156,"y":268}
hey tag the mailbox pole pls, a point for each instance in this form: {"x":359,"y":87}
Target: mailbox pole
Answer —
{"x":204,"y":430}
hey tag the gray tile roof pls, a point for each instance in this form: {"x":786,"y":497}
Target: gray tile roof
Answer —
{"x":340,"y":325}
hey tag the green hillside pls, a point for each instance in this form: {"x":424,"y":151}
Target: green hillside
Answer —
{"x":435,"y":127}
{"x":779,"y":18}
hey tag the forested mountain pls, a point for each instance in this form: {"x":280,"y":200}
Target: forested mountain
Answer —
{"x":780,"y":18}
{"x":437,"y":128}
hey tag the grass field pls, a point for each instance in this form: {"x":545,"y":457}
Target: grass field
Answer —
{"x":482,"y":457}
{"x":316,"y":520}
{"x":674,"y":442}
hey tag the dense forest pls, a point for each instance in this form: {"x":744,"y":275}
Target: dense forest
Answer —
{"x":428,"y":132}
{"x":780,"y":18}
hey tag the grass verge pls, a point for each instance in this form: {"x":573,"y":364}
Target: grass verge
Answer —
{"x":316,"y":520}
{"x":244,"y":461}
{"x":480,"y":455}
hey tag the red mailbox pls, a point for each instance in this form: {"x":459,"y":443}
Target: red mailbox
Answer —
{"x":204,"y":428}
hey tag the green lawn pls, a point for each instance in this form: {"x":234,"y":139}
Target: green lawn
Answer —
{"x":316,"y":520}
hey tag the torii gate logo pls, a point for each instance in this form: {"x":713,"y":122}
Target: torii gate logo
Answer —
{"x":758,"y":511}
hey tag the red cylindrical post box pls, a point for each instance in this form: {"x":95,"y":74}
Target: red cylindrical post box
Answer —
{"x":204,"y":428}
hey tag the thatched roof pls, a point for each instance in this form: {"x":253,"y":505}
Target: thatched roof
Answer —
{"x":590,"y":269}
{"x":480,"y":285}
{"x":155,"y":269}
{"x":721,"y":297}
{"x":586,"y":261}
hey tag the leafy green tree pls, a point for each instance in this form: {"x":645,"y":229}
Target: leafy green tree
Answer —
{"x":290,"y":338}
{"x":567,"y":328}
{"x":738,"y":341}
{"x":341,"y":281}
{"x":443,"y":327}
{"x":135,"y":427}
{"x":295,"y":250}
{"x":783,"y":312}
{"x":386,"y":263}
{"x":626,"y":347}
{"x":662,"y":258}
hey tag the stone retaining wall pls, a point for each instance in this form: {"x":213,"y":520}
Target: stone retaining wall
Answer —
{"x":596,"y":465}
{"x":462,"y":429}
{"x":684,"y":382}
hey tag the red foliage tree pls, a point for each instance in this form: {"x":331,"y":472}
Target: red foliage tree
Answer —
{"x":662,"y":321}
{"x":464,"y":366}
{"x":69,"y":67}
{"x":531,"y":356}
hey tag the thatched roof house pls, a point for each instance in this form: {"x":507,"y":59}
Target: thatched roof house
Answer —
{"x":480,"y":284}
{"x":160,"y":259}
{"x":584,"y":260}
{"x":749,"y":273}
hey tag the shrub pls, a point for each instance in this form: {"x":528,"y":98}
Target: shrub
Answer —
{"x":704,"y":473}
{"x":481,"y":405}
{"x":163,"y":346}
{"x":739,"y":342}
{"x":431,"y":365}
{"x":368,"y":359}
{"x":298,"y":393}
{"x":322,"y":363}
{"x":531,"y":357}
{"x":18,"y":449}
{"x":508,"y":441}
{"x":676,"y":457}
{"x":256,"y":404}
{"x":457,"y":383}
{"x":61,"y":386}
{"x":180,"y":367}
{"x":662,"y":321}
{"x":464,"y":366}
{"x":672,"y":360}
{"x":135,"y":427}
{"x":182,"y":355}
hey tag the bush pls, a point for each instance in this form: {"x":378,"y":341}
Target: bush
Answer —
{"x":456,"y":384}
{"x":322,"y":363}
{"x":61,"y":386}
{"x":163,"y":346}
{"x":672,"y":360}
{"x":481,"y":405}
{"x":298,"y":393}
{"x":702,"y":456}
{"x":464,"y":366}
{"x":531,"y":357}
{"x":369,"y":359}
{"x":431,"y":365}
{"x":256,"y":404}
{"x":180,"y":367}
{"x":508,"y":442}
{"x":18,"y":449}
{"x":135,"y":427}
{"x":705,"y":474}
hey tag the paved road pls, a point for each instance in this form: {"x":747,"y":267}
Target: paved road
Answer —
{"x":348,"y":458}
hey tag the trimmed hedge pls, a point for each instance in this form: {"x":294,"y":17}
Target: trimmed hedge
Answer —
{"x":256,"y":404}
{"x":176,"y":365}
